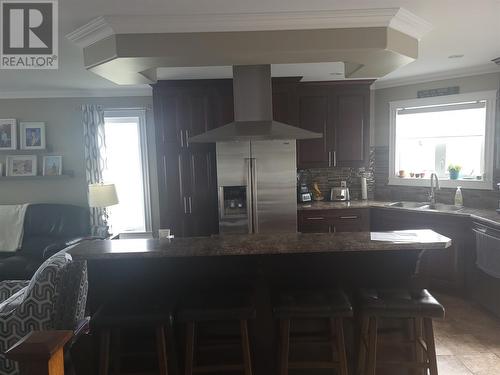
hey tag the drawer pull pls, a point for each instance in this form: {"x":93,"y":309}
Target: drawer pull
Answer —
{"x":349,"y":217}
{"x":315,"y":218}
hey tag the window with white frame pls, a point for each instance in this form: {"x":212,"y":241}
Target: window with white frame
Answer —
{"x":452,"y":136}
{"x":127,"y":168}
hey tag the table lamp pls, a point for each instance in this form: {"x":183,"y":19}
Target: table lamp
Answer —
{"x":102,"y":196}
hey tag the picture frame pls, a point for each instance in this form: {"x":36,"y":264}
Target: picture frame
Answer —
{"x":21,"y":165}
{"x":32,"y":135}
{"x":52,"y":165}
{"x":8,"y":134}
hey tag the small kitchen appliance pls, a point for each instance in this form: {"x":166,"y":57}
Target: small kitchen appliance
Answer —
{"x":304,"y":195}
{"x":340,"y":194}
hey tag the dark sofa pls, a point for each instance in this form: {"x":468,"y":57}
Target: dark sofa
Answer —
{"x":48,"y":228}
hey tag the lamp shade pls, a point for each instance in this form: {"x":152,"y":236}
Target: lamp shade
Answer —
{"x":102,"y":195}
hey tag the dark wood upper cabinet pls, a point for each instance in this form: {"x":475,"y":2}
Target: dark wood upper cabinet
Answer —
{"x":314,"y":116}
{"x":351,"y":124}
{"x":338,"y":110}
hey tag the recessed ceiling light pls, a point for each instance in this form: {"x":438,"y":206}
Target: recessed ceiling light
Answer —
{"x":457,"y":56}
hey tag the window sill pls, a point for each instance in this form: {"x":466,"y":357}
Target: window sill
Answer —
{"x":426,"y":182}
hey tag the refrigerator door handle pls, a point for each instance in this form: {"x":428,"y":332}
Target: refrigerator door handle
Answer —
{"x":255,"y":216}
{"x":248,"y":163}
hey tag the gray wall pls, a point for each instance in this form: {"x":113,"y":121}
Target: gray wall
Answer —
{"x":384,"y":96}
{"x":64,"y":135}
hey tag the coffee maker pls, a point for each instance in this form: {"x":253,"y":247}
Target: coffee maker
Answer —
{"x":303,"y":193}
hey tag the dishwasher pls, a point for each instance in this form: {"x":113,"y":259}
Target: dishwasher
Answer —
{"x":485,"y":276}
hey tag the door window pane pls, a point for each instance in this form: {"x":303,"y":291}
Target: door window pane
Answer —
{"x":125,"y":169}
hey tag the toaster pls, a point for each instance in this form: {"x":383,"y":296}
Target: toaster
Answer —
{"x":339,"y":194}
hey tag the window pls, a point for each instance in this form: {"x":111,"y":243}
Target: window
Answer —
{"x":127,"y":168}
{"x":431,"y":135}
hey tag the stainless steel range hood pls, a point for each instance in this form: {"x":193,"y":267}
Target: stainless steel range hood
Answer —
{"x":253,"y":111}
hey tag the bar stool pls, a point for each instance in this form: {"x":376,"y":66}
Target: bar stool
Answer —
{"x":418,"y":307}
{"x":209,"y":308}
{"x":112,"y":319}
{"x":332,"y":305}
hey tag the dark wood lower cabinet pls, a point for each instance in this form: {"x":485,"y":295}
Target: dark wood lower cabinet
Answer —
{"x":446,"y":269}
{"x":335,"y":220}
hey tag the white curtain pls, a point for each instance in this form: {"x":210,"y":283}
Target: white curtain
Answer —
{"x":95,"y":157}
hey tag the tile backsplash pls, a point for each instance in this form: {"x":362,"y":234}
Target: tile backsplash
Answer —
{"x":377,"y":174}
{"x":327,"y":178}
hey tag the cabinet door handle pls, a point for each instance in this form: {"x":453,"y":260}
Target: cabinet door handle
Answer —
{"x":190,"y":205}
{"x":348,"y":217}
{"x":315,"y":218}
{"x":185,"y":205}
{"x":329,"y":158}
{"x":334,"y":158}
{"x":182,"y":137}
{"x":187,"y":138}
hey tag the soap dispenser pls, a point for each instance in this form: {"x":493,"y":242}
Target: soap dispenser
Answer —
{"x":459,"y":199}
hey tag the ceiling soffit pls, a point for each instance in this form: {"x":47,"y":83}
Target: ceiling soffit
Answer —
{"x":127,"y":49}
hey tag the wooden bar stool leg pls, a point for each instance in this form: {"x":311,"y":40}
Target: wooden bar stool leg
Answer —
{"x":161,"y":347}
{"x":363,"y":339}
{"x":172,"y":359}
{"x":190,"y":332}
{"x":339,"y":327}
{"x":431,"y":347}
{"x":419,"y":351}
{"x":116,"y":356}
{"x":104,"y":351}
{"x":285,"y":345}
{"x":372,"y":346}
{"x":245,"y":344}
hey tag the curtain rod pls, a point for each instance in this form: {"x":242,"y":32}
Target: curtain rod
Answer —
{"x":147,"y":108}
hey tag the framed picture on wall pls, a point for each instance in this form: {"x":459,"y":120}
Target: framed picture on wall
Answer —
{"x":32,"y":135}
{"x":8,"y":134}
{"x":52,"y":165}
{"x":21,"y":165}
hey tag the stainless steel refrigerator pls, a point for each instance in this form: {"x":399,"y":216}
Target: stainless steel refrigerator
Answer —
{"x":257,"y":186}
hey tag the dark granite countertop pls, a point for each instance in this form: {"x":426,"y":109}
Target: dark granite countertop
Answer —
{"x":259,"y":244}
{"x":485,"y":216}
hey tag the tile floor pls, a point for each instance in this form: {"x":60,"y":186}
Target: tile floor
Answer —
{"x":467,"y":340}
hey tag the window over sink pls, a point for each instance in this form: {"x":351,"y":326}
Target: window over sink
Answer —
{"x":452,"y":136}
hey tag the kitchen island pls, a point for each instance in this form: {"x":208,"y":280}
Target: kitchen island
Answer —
{"x":171,"y":268}
{"x":261,"y":244}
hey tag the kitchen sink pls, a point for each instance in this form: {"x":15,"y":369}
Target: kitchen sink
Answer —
{"x":407,"y":204}
{"x":441,"y":207}
{"x":425,"y":206}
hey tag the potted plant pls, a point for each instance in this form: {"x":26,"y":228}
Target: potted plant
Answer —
{"x":454,"y":171}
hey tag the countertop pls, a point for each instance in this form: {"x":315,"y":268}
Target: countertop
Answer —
{"x":489,"y":217}
{"x":259,"y":244}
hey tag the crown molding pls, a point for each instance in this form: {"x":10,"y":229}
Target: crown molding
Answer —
{"x":97,"y":29}
{"x":410,"y":24}
{"x":63,"y":93}
{"x":439,"y":76}
{"x":397,"y":18}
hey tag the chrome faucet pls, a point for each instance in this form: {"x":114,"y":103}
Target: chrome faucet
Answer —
{"x":432,"y":194}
